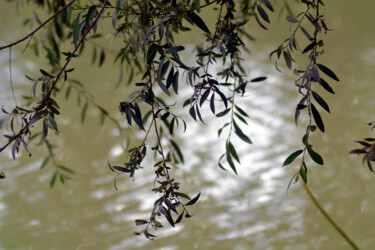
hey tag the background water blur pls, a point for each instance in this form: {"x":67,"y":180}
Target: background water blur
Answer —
{"x":248,"y":211}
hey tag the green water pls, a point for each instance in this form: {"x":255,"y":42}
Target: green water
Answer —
{"x":248,"y":211}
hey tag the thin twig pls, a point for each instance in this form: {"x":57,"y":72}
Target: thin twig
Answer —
{"x":327,"y":216}
{"x":38,"y":28}
{"x":10,"y":75}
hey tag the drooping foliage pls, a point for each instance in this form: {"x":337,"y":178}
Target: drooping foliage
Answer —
{"x":146,"y":30}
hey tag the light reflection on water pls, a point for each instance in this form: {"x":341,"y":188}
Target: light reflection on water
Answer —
{"x":248,"y":211}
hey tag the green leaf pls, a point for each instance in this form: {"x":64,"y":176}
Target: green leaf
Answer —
{"x":315,"y":156}
{"x":303,"y":172}
{"x":178,"y":150}
{"x":240,"y":134}
{"x":198,"y":21}
{"x":53,"y":180}
{"x":140,"y":222}
{"x":233,"y":151}
{"x":292,"y":157}
{"x":66,"y":169}
{"x":44,"y":163}
{"x":230,"y":162}
{"x":76,"y":29}
{"x":83,"y":113}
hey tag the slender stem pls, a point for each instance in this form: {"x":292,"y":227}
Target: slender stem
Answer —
{"x":327,"y":216}
{"x":10,"y":75}
{"x":74,"y":51}
{"x":39,"y":27}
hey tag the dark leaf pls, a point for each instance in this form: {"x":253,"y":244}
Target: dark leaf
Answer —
{"x":358,"y":151}
{"x":138,"y":120}
{"x":175,"y":82}
{"x":223,"y":113}
{"x":204,"y":96}
{"x":230,"y":162}
{"x":291,"y":19}
{"x":140,"y":222}
{"x":303,"y":172}
{"x":364,"y":143}
{"x":320,"y":101}
{"x":315,"y":156}
{"x":179,"y":217}
{"x":194,"y":200}
{"x":170,"y":205}
{"x":315,"y":73}
{"x":326,"y":86}
{"x":288,"y":59}
{"x":327,"y":71}
{"x":259,"y":22}
{"x":167,"y":215}
{"x":178,"y":151}
{"x":292,"y":157}
{"x":259,"y":79}
{"x":174,"y":49}
{"x":212,"y":103}
{"x":198,"y":21}
{"x":317,"y":118}
{"x":263,"y":13}
{"x":309,"y":47}
{"x":240,"y":134}
{"x":192,"y":113}
{"x":121,"y":169}
{"x":233,"y":151}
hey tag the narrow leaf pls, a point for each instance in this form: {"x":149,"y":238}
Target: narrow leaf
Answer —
{"x":292,"y":157}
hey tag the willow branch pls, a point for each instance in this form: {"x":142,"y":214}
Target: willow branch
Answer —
{"x":74,"y":51}
{"x":39,"y":27}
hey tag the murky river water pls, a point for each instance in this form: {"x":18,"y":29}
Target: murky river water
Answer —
{"x":248,"y":211}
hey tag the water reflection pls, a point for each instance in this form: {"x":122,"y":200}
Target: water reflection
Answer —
{"x":248,"y":211}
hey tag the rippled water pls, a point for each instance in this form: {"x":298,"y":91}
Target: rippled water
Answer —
{"x":248,"y":211}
